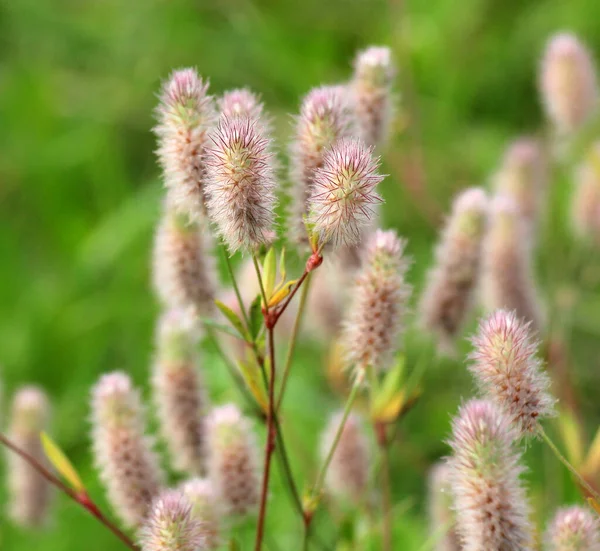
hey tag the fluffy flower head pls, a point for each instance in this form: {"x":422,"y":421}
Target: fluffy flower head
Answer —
{"x":508,"y":371}
{"x":343,"y":196}
{"x":573,"y":529}
{"x":240,"y":183}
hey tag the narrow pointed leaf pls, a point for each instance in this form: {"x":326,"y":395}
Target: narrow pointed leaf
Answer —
{"x":269,"y":272}
{"x":282,"y":293}
{"x":256,"y":317}
{"x":233,"y":318}
{"x":61,"y":463}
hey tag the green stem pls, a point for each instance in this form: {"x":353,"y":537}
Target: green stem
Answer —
{"x":316,"y":492}
{"x":260,"y":283}
{"x":386,"y":496}
{"x":293,"y":340}
{"x":568,"y":465}
{"x":233,"y":371}
{"x":236,"y":289}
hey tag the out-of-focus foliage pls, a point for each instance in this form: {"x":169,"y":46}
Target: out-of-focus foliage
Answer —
{"x":80,"y":195}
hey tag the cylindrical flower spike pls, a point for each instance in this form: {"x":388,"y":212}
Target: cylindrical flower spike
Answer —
{"x":451,"y":283}
{"x":233,"y":459}
{"x":29,"y":491}
{"x":491,"y":506}
{"x":375,"y":319}
{"x":508,"y":371}
{"x":343,"y":195}
{"x":179,"y":391}
{"x":348,"y":473}
{"x":522,"y":177}
{"x":586,"y":201}
{"x":205,"y":508}
{"x":185,"y":115}
{"x":241,"y":183}
{"x":124,"y":455}
{"x":374,"y":74}
{"x":325,"y":116}
{"x":507,"y":278}
{"x":183,"y":271}
{"x":573,"y":529}
{"x":441,"y":513}
{"x":568,"y":83}
{"x":171,"y":526}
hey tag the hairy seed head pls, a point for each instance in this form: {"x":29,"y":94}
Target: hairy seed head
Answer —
{"x":491,"y":506}
{"x":441,"y":507}
{"x":241,"y":183}
{"x":522,"y":176}
{"x":507,"y":274}
{"x":586,"y":200}
{"x":179,"y":390}
{"x":378,"y":306}
{"x":374,"y":74}
{"x":568,"y":83}
{"x":343,"y":196}
{"x":233,"y":459}
{"x":183,"y":267}
{"x":185,"y":115}
{"x":451,"y":283}
{"x":325,"y":117}
{"x":205,"y":508}
{"x":171,"y":526}
{"x":124,"y":455}
{"x":509,"y":372}
{"x":348,"y":474}
{"x":29,"y":491}
{"x":573,"y":529}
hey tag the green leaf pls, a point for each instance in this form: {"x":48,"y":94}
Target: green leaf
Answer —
{"x":256,"y":317}
{"x":282,"y":293}
{"x":253,"y":378}
{"x":282,"y":265}
{"x":269,"y":272}
{"x":233,"y":318}
{"x":207,"y":322}
{"x":389,"y":396}
{"x":61,"y":463}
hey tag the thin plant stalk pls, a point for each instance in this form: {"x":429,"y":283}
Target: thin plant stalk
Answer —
{"x":270,"y":443}
{"x":316,"y":492}
{"x":260,"y":283}
{"x":293,"y":340}
{"x":236,"y":289}
{"x":81,"y":498}
{"x":568,"y":465}
{"x":386,"y":493}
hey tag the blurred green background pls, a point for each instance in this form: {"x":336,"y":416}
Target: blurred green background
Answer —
{"x":80,"y":195}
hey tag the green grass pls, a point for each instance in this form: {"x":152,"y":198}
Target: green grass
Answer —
{"x":80,"y":195}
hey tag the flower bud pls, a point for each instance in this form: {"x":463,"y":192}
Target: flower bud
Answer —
{"x":522,"y":177}
{"x":29,"y":491}
{"x":568,"y":83}
{"x":441,"y":506}
{"x":586,"y":200}
{"x":205,"y":508}
{"x":233,"y":459}
{"x":508,"y":371}
{"x":375,"y":319}
{"x":348,"y":473}
{"x":179,"y":391}
{"x":492,"y":509}
{"x":372,"y":93}
{"x":185,"y":115}
{"x":241,"y":183}
{"x":325,"y":117}
{"x":451,"y":283}
{"x":124,"y":455}
{"x":184,"y":273}
{"x":573,"y":529}
{"x":171,"y":526}
{"x":507,"y":278}
{"x":343,"y":195}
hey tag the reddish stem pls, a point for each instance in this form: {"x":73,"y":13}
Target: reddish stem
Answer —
{"x":82,"y":498}
{"x":269,"y":447}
